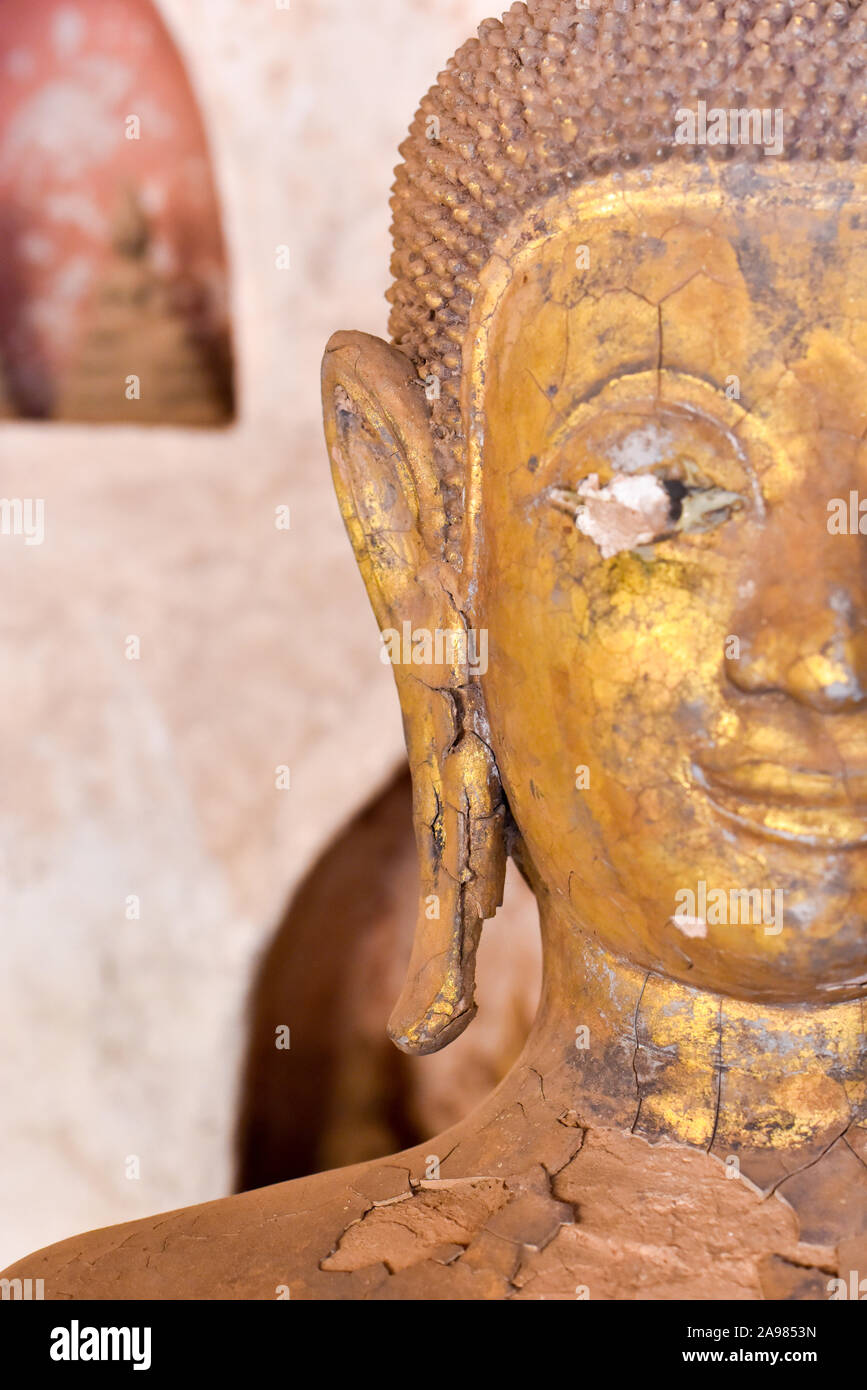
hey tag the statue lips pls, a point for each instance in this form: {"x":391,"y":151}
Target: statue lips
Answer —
{"x":825,"y":810}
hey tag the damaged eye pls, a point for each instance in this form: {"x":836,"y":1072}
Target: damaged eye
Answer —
{"x":636,"y":509}
{"x":676,"y":492}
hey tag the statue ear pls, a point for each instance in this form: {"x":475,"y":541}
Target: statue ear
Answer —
{"x":379,"y":439}
{"x":378,"y":434}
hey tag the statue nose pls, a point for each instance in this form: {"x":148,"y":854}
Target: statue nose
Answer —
{"x":813,"y":649}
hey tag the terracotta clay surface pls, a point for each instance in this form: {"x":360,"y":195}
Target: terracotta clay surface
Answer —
{"x":342,"y":1093}
{"x":531,"y":1203}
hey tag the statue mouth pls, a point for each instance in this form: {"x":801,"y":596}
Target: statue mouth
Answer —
{"x":823,"y":809}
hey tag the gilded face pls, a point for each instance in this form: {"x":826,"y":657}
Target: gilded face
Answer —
{"x":670,"y":392}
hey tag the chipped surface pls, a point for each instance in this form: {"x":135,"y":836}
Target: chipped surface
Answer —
{"x":558,"y":1210}
{"x":626,"y":513}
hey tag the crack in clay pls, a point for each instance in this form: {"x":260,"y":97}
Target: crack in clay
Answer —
{"x":813,"y":1162}
{"x":719,"y":1077}
{"x":637,"y":1046}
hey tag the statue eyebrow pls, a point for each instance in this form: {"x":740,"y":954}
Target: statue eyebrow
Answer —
{"x":589,"y":402}
{"x":589,"y":406}
{"x":586,"y":402}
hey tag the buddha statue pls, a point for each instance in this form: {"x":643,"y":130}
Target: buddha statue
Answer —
{"x":603,"y":487}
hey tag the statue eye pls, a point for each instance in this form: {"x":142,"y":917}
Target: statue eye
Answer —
{"x":676,"y":492}
{"x":636,"y":509}
{"x":648,"y":471}
{"x":697,"y":505}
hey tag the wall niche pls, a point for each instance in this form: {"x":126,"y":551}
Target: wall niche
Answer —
{"x":113,"y":276}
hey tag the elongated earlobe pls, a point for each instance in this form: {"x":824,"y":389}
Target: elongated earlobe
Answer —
{"x":459,"y":816}
{"x":378,"y":434}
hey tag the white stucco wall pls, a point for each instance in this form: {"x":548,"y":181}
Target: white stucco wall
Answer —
{"x":155,"y":777}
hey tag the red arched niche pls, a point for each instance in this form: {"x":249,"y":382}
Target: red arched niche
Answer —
{"x":112,"y":260}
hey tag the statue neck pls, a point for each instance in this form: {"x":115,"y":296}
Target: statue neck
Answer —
{"x":634,"y":1050}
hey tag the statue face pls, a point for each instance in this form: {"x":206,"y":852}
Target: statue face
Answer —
{"x":672,"y":384}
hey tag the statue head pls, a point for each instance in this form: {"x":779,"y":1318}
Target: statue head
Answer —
{"x":604,"y":489}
